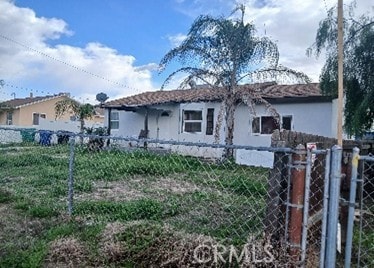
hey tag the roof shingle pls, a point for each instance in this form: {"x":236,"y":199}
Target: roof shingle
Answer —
{"x":18,"y":102}
{"x":266,"y":90}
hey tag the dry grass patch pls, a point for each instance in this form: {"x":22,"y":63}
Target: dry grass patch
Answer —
{"x":146,"y":244}
{"x":19,"y":229}
{"x":137,"y":188}
{"x":171,"y":185}
{"x":110,"y":247}
{"x":111,"y":191}
{"x":66,"y":252}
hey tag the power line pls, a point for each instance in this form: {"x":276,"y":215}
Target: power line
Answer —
{"x":327,"y":10}
{"x":30,"y":90}
{"x":67,"y":64}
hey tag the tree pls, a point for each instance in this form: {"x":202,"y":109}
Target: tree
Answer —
{"x":358,"y":63}
{"x":224,"y":53}
{"x":81,"y":111}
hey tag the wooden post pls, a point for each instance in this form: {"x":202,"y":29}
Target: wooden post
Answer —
{"x":297,"y":201}
{"x":109,"y":129}
{"x":146,"y":127}
{"x":274,"y":221}
{"x":340,"y":74}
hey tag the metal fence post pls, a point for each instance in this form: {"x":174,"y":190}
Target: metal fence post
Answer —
{"x":333,"y":213}
{"x":297,"y":201}
{"x":351,"y":211}
{"x":71,"y":176}
{"x":304,"y":238}
{"x":325,"y":208}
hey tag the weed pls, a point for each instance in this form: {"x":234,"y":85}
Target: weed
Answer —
{"x":5,"y":196}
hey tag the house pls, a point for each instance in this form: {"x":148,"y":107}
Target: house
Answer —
{"x":28,"y":112}
{"x":39,"y":112}
{"x":191,"y":115}
{"x":98,"y":117}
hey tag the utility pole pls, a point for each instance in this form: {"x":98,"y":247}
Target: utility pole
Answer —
{"x":340,"y":74}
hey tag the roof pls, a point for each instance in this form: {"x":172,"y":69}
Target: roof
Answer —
{"x":99,"y":111}
{"x":200,"y":94}
{"x":20,"y":102}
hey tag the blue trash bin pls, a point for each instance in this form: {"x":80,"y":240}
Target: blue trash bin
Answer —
{"x":45,"y":137}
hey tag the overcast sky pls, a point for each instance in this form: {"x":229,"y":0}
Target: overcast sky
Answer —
{"x":89,"y":46}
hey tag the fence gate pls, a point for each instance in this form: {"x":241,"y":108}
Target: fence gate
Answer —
{"x":313,"y":177}
{"x":359,"y":250}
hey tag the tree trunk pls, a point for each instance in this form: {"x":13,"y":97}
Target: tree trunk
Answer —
{"x":81,"y":129}
{"x":229,"y":122}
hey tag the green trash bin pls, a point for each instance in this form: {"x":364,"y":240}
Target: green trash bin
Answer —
{"x":28,"y":135}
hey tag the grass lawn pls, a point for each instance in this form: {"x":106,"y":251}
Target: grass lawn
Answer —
{"x":130,"y":208}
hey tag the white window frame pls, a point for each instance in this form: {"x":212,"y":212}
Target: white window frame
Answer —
{"x":114,"y":120}
{"x":260,"y":118}
{"x":184,"y":120}
{"x":40,"y":115}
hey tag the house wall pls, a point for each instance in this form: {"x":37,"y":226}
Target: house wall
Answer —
{"x":3,"y":118}
{"x":23,"y":116}
{"x":314,"y":118}
{"x":163,"y":127}
{"x":46,"y":107}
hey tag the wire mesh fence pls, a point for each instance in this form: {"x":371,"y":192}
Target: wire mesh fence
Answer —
{"x":317,"y":191}
{"x":104,"y":201}
{"x":363,"y":244}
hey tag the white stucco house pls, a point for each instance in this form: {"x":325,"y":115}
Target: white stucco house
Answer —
{"x":191,"y":114}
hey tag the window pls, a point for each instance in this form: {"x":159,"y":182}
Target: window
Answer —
{"x":9,"y":118}
{"x":36,"y":116}
{"x":209,"y":121}
{"x":267,"y":124}
{"x":256,"y":125}
{"x":287,"y":122}
{"x":114,"y":120}
{"x":192,"y":121}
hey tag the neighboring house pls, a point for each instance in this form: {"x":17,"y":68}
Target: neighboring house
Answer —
{"x":99,"y":117}
{"x":191,"y":115}
{"x":28,"y":112}
{"x":39,"y":112}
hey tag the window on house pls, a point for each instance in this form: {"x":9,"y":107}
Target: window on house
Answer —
{"x":267,"y":124}
{"x":9,"y":118}
{"x":114,"y":120}
{"x":287,"y":122}
{"x":36,"y":116}
{"x":209,"y":121}
{"x":192,"y":121}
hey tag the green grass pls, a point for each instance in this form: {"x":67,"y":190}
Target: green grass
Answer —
{"x":365,"y":248}
{"x":225,"y":201}
{"x":5,"y":196}
{"x":133,"y":210}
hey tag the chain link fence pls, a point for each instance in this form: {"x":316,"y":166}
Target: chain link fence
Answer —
{"x":104,"y":201}
{"x":360,"y":244}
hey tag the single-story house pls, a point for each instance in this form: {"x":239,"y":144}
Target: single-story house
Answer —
{"x":191,"y":114}
{"x":39,"y":112}
{"x":27,"y":112}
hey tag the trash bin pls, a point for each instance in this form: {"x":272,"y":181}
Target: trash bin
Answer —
{"x":28,"y":135}
{"x":45,"y":137}
{"x":63,"y":137}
